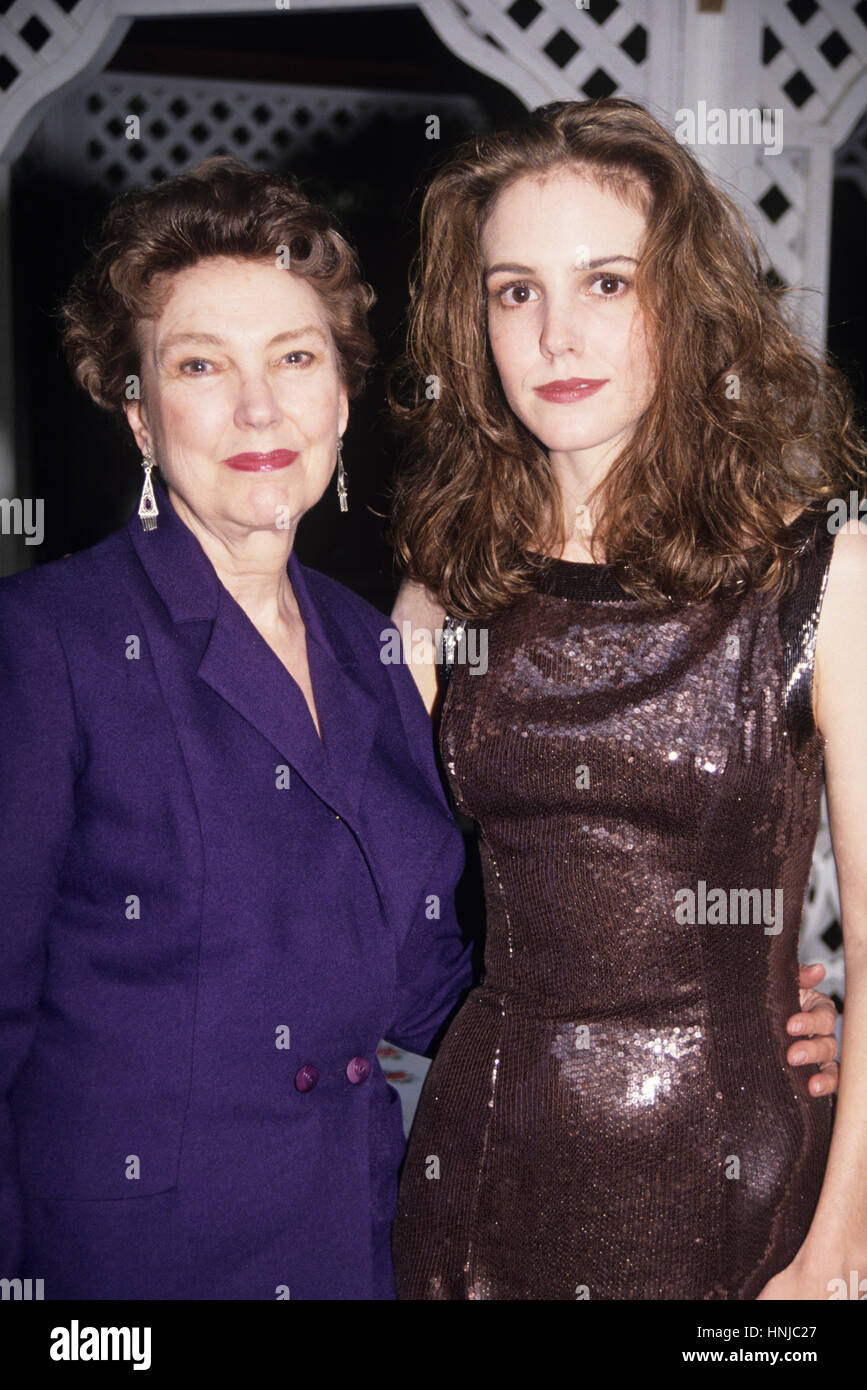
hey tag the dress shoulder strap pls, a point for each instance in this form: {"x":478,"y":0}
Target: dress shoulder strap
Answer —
{"x":453,"y":633}
{"x":799,"y":611}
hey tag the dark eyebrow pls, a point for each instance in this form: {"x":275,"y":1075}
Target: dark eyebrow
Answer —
{"x":216,"y":341}
{"x":528,"y":270}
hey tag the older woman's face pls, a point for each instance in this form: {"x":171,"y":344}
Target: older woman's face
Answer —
{"x":242,"y":400}
{"x":564,"y":323}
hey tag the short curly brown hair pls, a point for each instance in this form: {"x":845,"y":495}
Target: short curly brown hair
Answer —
{"x":219,"y":208}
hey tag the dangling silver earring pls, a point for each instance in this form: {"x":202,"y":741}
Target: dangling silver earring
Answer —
{"x":341,"y":479}
{"x":147,"y":507}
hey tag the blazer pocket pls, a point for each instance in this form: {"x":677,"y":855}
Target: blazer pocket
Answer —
{"x":87,"y":1146}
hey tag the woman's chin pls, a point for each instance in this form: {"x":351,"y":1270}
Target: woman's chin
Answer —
{"x":269,"y":502}
{"x":574,"y":443}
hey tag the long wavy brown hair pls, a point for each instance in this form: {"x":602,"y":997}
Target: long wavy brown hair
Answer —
{"x":699,"y":501}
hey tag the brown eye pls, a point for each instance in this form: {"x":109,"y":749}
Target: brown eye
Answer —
{"x":521,"y":294}
{"x":613,"y":286}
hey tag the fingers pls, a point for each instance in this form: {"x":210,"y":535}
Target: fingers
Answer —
{"x":807,"y":1050}
{"x":818,"y":1016}
{"x":826,"y":1080}
{"x":810,"y":975}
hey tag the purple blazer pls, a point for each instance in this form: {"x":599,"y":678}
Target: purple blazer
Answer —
{"x":208,"y":921}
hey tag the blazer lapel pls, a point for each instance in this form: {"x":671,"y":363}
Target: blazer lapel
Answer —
{"x":349,"y":713}
{"x":240,"y":666}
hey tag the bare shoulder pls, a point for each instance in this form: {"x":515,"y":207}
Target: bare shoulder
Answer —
{"x":418,"y":607}
{"x":417,"y":604}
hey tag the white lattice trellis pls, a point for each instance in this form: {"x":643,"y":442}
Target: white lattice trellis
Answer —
{"x":85,"y":135}
{"x":559,"y":50}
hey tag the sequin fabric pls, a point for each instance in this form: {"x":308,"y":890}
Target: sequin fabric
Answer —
{"x":611,"y":1115}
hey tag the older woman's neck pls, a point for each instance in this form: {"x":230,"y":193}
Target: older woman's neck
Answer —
{"x":251,"y":564}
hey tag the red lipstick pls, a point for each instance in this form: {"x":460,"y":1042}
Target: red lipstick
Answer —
{"x":261,"y":463}
{"x":575,"y":389}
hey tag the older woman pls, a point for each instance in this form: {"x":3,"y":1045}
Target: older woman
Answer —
{"x":226,"y":861}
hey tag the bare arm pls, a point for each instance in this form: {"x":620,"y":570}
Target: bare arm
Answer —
{"x":836,"y":1244}
{"x":418,"y":607}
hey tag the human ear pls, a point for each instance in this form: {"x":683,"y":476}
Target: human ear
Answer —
{"x":138,"y":424}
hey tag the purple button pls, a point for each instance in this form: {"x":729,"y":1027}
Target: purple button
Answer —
{"x":306,"y":1078}
{"x":358,"y":1070}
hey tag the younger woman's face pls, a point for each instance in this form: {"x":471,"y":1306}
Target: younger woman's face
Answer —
{"x":564,"y":323}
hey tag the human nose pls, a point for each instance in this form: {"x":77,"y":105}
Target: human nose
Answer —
{"x":562,"y":328}
{"x":257,"y":402}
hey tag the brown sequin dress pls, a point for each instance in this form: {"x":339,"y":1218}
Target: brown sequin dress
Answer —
{"x":611,"y":1115}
